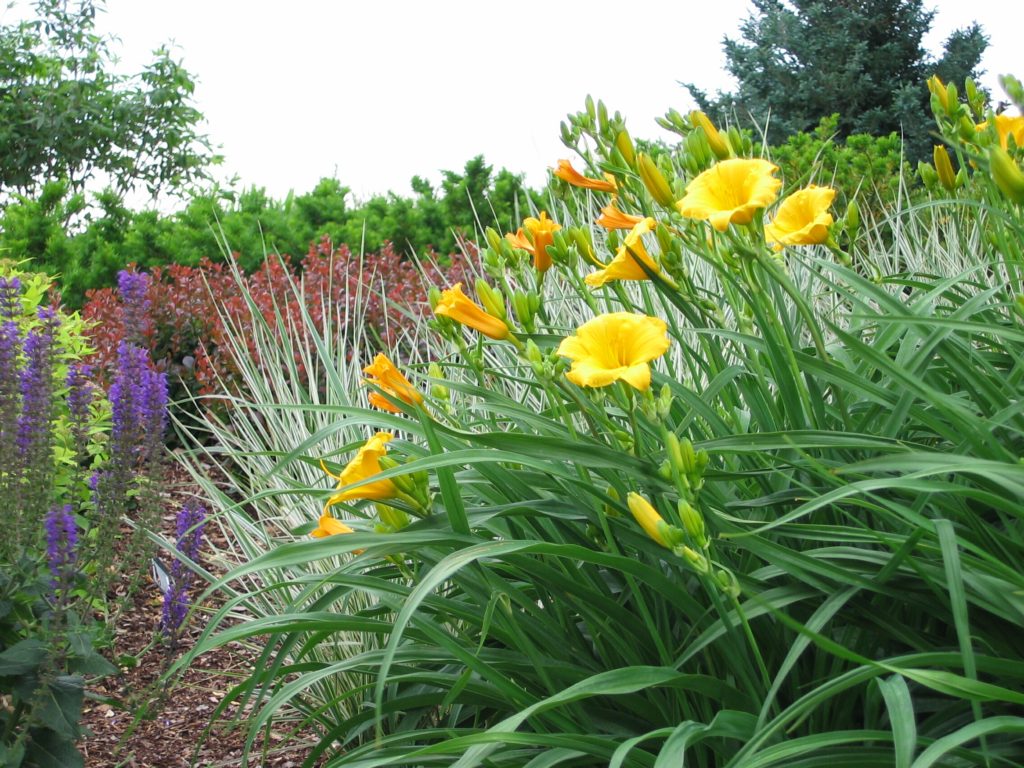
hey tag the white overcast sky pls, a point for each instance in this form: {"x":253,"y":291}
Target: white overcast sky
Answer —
{"x":376,"y":92}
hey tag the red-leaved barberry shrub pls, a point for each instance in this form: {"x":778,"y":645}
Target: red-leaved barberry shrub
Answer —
{"x":193,"y":311}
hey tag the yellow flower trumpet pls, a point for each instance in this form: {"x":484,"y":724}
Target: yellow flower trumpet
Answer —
{"x":455,"y":304}
{"x":802,"y":218}
{"x":364,"y":466}
{"x":383,"y":374}
{"x":626,"y":264}
{"x":730,"y":192}
{"x":614,"y":346}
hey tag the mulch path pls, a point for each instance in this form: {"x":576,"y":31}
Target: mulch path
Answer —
{"x":169,"y":735}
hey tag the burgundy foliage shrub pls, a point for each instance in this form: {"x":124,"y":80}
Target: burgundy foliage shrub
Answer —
{"x":383,"y":292}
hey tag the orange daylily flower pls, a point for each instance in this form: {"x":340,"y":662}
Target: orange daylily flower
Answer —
{"x":542,"y":231}
{"x":566,"y":172}
{"x":612,"y":218}
{"x":382,"y":373}
{"x":462,"y":309}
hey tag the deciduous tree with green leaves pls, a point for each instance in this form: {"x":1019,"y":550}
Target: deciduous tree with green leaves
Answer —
{"x":801,"y":60}
{"x":66,"y":114}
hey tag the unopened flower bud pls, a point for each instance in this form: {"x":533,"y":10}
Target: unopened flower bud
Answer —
{"x":437,"y":391}
{"x":944,"y":168}
{"x":696,"y":560}
{"x":647,"y":516}
{"x":1006,"y":174}
{"x":716,"y":141}
{"x":434,"y":296}
{"x":624,"y":144}
{"x":494,"y":240}
{"x":655,"y":181}
{"x":727,"y":582}
{"x":491,"y":299}
{"x":693,"y":523}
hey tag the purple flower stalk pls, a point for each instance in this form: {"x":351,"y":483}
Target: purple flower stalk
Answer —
{"x":79,"y":399}
{"x":61,"y":540}
{"x":10,"y":386}
{"x":37,"y":382}
{"x":189,"y":529}
{"x":133,"y":287}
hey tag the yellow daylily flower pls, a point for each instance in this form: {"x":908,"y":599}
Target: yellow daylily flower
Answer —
{"x":625,"y":265}
{"x":613,"y":346}
{"x":329,"y":526}
{"x":802,"y":218}
{"x":647,"y":516}
{"x":730,"y":192}
{"x":566,"y":172}
{"x":1007,"y":126}
{"x":462,"y":309}
{"x":542,"y":231}
{"x":612,"y":218}
{"x":364,"y":466}
{"x":382,"y":373}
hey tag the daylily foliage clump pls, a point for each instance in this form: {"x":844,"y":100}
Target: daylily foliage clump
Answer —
{"x":691,"y":477}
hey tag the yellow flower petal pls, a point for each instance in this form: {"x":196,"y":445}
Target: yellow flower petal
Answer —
{"x":802,"y":218}
{"x":1007,"y":126}
{"x":730,"y":192}
{"x":382,"y":373}
{"x":460,"y":308}
{"x":329,"y":526}
{"x":613,"y":346}
{"x":645,"y":514}
{"x":626,"y":264}
{"x":365,"y":465}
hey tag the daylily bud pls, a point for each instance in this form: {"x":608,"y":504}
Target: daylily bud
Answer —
{"x":852,"y":220}
{"x":966,"y":129}
{"x":943,"y":167}
{"x":928,"y":175}
{"x":693,"y":523}
{"x":675,"y":456}
{"x":434,"y":296}
{"x":624,"y":144}
{"x":647,"y":516}
{"x":655,"y":181}
{"x":493,"y":239}
{"x":491,"y":299}
{"x":437,"y":391}
{"x":402,"y":482}
{"x":716,"y":141}
{"x":394,"y":519}
{"x":938,"y":90}
{"x":697,"y":560}
{"x":727,"y":582}
{"x":581,"y":239}
{"x":1006,"y":174}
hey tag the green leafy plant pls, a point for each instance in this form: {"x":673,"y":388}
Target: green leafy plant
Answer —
{"x":664,"y":493}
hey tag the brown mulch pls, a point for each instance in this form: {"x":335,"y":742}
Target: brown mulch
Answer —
{"x":153,"y":727}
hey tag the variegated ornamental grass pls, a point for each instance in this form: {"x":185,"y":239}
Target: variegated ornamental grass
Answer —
{"x":774,"y":520}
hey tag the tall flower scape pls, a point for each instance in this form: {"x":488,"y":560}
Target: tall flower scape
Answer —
{"x":688,"y":478}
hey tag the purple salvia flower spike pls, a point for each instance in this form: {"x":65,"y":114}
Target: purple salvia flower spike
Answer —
{"x":61,"y":541}
{"x":134,"y":287}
